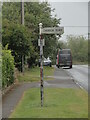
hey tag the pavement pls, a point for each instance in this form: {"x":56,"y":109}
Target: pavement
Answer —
{"x":9,"y":101}
{"x":61,"y":80}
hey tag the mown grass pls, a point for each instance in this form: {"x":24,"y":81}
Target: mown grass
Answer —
{"x":58,"y":103}
{"x":33,"y":74}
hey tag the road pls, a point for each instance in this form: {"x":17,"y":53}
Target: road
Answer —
{"x":80,"y":74}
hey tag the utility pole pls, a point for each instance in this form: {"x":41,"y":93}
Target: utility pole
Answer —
{"x":22,"y":22}
{"x":41,"y":63}
{"x":22,"y":12}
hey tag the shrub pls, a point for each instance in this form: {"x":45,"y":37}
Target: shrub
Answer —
{"x":0,"y":66}
{"x":7,"y":68}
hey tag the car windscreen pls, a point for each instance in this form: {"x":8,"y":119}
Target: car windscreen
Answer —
{"x":65,"y":52}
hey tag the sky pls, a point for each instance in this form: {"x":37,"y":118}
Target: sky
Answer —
{"x":74,"y":17}
{"x":73,"y":14}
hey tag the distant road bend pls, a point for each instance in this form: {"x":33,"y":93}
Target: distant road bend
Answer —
{"x":80,"y":73}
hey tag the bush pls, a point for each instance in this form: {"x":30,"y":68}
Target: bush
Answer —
{"x":79,"y":48}
{"x":0,"y":66}
{"x":19,"y":42}
{"x":7,"y":68}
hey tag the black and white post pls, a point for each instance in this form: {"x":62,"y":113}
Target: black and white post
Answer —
{"x":46,"y":30}
{"x":41,"y":63}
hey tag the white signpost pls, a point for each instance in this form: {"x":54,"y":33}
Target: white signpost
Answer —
{"x":52,"y":30}
{"x":41,"y":43}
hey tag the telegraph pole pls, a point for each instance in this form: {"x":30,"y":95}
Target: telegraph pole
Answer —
{"x":22,"y":12}
{"x":22,"y":22}
{"x":41,"y":63}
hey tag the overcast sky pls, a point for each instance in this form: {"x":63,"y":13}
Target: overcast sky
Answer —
{"x":74,"y":17}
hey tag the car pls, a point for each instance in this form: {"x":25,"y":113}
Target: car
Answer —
{"x":64,"y":58}
{"x":46,"y":62}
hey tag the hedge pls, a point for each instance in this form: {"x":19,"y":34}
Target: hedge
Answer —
{"x":0,"y":66}
{"x":7,"y":68}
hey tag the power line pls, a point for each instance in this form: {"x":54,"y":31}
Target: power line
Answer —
{"x":76,"y":26}
{"x":75,"y":34}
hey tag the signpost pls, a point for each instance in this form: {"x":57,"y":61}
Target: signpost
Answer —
{"x":53,"y":30}
{"x":41,"y":43}
{"x":41,"y":62}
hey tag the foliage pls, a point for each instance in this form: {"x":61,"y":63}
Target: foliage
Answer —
{"x":11,"y":12}
{"x":35,"y":13}
{"x":31,"y":59}
{"x":41,"y":13}
{"x":0,"y":65}
{"x":79,"y":48}
{"x":61,"y":45}
{"x":33,"y":74}
{"x":7,"y":68}
{"x":18,"y":40}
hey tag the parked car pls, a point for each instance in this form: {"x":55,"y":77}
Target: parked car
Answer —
{"x":46,"y":62}
{"x":64,"y":58}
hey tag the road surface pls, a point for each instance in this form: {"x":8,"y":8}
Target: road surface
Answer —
{"x":80,"y":74}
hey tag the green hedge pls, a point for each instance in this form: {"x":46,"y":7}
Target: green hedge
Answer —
{"x":0,"y":66}
{"x":7,"y":68}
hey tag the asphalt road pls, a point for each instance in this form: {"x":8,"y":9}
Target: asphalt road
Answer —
{"x":61,"y":79}
{"x":80,"y":74}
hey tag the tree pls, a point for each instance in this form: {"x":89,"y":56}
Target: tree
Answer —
{"x":18,"y":40}
{"x":61,"y":45}
{"x":35,"y":13}
{"x":79,"y":48}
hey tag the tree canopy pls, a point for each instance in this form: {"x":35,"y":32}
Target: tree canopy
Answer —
{"x":19,"y":38}
{"x":79,"y":48}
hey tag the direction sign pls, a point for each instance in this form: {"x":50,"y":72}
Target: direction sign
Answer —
{"x":52,"y":30}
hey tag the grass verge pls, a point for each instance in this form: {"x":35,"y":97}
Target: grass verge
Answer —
{"x":33,"y":74}
{"x":58,"y":103}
